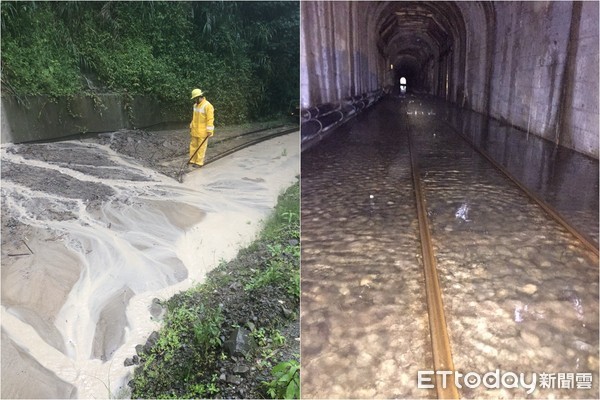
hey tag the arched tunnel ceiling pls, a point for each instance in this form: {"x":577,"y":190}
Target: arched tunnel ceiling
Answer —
{"x":418,"y":46}
{"x":423,"y":30}
{"x":408,"y":61}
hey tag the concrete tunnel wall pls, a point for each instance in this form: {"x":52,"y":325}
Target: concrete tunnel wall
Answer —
{"x":533,"y":65}
{"x":545,"y":71}
{"x":336,"y":55}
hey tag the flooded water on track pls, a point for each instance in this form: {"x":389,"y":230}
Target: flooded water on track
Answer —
{"x":564,"y":178}
{"x":364,"y":319}
{"x":520,"y":293}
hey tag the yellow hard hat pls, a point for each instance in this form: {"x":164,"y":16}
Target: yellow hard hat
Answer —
{"x":196,"y":93}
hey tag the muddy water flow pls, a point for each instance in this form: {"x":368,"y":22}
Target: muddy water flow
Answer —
{"x":90,"y":237}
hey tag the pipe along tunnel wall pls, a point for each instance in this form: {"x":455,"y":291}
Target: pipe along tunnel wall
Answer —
{"x":320,"y":120}
{"x":43,"y":118}
{"x":532,"y":65}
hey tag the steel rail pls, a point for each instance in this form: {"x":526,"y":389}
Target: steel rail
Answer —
{"x":249,"y":133}
{"x":250,"y":143}
{"x":551,"y":211}
{"x":440,"y":342}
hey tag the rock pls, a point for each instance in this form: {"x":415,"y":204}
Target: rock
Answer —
{"x":128,"y":362}
{"x":293,"y":242}
{"x":593,"y":362}
{"x":286,"y":312}
{"x":139,"y":349}
{"x":223,"y":377}
{"x":531,"y":339}
{"x":234,"y":379}
{"x":152,"y":339}
{"x":240,"y":369}
{"x":529,"y":288}
{"x":251,"y":326}
{"x":583,"y":346}
{"x":136,"y":360}
{"x":239,"y":342}
{"x":156,"y":309}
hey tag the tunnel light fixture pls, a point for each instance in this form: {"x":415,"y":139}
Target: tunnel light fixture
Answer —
{"x":391,"y":66}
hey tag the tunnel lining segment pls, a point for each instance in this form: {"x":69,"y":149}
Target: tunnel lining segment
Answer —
{"x":440,"y":341}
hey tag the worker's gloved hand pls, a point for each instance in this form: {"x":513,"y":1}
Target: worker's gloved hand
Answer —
{"x":211,"y":134}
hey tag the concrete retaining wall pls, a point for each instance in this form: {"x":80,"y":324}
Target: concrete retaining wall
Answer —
{"x":45,"y":118}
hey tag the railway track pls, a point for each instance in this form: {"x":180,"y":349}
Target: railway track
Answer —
{"x":232,"y":144}
{"x":585,"y":239}
{"x":498,"y":283}
{"x":440,"y":340}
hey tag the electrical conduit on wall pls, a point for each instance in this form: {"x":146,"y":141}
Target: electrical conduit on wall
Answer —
{"x":320,"y":120}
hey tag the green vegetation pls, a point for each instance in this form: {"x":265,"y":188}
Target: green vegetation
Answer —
{"x":257,"y":291}
{"x":243,"y":54}
{"x":286,"y":384}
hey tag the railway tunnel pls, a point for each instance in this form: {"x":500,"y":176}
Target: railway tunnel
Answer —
{"x":449,"y":199}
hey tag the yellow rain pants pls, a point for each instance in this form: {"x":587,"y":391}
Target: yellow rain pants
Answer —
{"x":201,"y":127}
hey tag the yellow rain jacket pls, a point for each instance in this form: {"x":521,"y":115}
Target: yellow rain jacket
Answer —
{"x":203,"y":120}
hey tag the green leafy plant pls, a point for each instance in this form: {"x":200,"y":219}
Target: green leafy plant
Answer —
{"x":278,"y":338}
{"x":293,"y":286}
{"x":275,"y":249}
{"x":286,"y":382}
{"x":260,"y":336}
{"x":207,"y":330}
{"x":266,"y":356}
{"x":271,"y":275}
{"x":291,"y":216}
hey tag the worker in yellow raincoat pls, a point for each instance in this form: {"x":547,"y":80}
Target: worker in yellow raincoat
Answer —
{"x":201,"y":128}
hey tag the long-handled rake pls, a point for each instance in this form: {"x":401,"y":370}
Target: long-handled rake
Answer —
{"x":180,"y":175}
